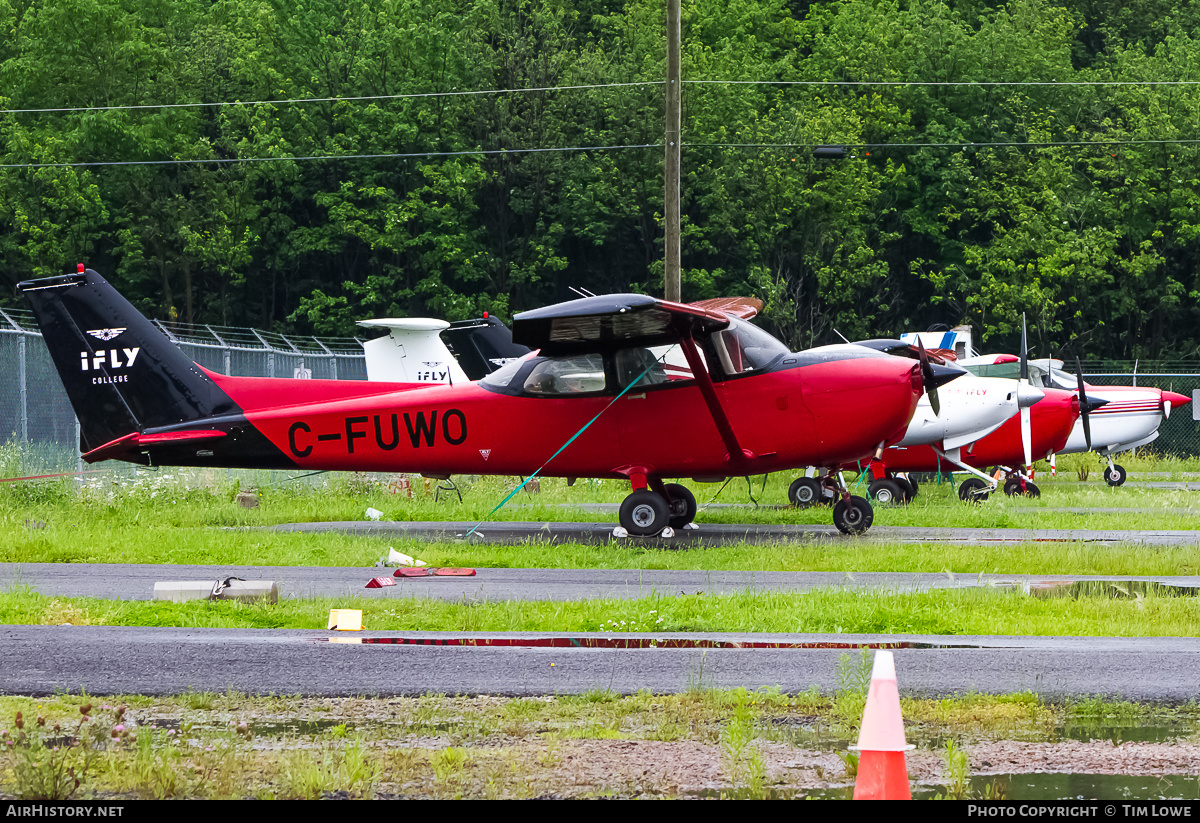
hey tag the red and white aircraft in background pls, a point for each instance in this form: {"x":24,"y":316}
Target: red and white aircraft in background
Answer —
{"x":1131,"y":417}
{"x":592,"y":402}
{"x":977,"y":426}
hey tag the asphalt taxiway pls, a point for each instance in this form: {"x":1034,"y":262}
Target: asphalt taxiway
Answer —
{"x":136,"y":582}
{"x":109,"y":660}
{"x":114,"y":660}
{"x":509,"y":532}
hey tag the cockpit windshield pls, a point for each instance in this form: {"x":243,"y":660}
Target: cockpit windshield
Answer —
{"x":503,"y":376}
{"x":744,"y":347}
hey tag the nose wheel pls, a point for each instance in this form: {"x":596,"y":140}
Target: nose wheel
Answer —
{"x":853,"y":515}
{"x":1114,"y":475}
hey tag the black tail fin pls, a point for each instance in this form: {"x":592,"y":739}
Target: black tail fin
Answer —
{"x":121,"y":373}
{"x":482,"y":346}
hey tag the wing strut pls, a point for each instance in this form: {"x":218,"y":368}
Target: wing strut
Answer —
{"x":736,"y":453}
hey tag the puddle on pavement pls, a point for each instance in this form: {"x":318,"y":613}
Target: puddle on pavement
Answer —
{"x":805,"y":733}
{"x":1119,"y":732}
{"x":1054,"y":787}
{"x":1117,"y":589}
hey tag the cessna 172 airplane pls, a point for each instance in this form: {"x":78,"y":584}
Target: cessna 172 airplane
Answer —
{"x":592,"y":402}
{"x":970,"y":409}
{"x":1130,"y":418}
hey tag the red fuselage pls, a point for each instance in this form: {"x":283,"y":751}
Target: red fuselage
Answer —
{"x":1051,"y":420}
{"x":800,"y":413}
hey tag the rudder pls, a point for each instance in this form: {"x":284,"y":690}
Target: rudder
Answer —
{"x":121,"y":373}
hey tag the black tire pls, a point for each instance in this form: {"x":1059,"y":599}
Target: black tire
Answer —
{"x":908,"y":486}
{"x":805,"y":492}
{"x":970,"y":492}
{"x":682,"y":507}
{"x":854,"y":518}
{"x":644,"y":513}
{"x":886,"y":491}
{"x":1115,"y":476}
{"x":1013,"y":488}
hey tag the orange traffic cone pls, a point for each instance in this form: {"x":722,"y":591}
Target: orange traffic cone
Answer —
{"x":882,"y":774}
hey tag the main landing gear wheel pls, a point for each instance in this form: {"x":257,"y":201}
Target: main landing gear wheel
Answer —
{"x":682,"y":507}
{"x":1013,"y":487}
{"x":908,"y":487}
{"x":886,"y":490}
{"x":805,"y":492}
{"x":1114,"y":476}
{"x":853,"y":516}
{"x":973,"y":490}
{"x":644,"y":512}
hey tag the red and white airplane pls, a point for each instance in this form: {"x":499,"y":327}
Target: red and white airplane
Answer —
{"x":977,"y":425}
{"x":1130,"y":418}
{"x":1051,"y":422}
{"x":592,"y":402}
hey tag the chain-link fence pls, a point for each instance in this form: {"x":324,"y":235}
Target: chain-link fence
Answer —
{"x":36,"y":415}
{"x":1179,"y":434}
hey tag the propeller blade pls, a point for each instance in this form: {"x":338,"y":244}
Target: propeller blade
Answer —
{"x":1026,"y":423}
{"x":1024,"y":352}
{"x":1084,"y":410}
{"x":928,"y":379}
{"x":1027,"y":437}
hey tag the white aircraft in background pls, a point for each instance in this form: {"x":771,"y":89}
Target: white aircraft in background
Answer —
{"x":969,"y":408}
{"x":1131,"y":417}
{"x":424,"y":350}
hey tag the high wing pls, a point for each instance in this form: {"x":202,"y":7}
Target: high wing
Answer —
{"x":742,"y":308}
{"x":612,"y":321}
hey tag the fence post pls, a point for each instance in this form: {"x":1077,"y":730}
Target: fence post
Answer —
{"x":21,"y":375}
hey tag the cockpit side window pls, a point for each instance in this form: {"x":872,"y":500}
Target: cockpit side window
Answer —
{"x":639,"y":364}
{"x":502,"y":378}
{"x":579,"y":374}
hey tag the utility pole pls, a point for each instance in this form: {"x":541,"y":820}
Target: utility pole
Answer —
{"x":671,"y":287}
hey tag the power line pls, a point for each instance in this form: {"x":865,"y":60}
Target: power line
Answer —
{"x":564,"y":149}
{"x":480,"y":92}
{"x":944,"y":82}
{"x":298,"y":100}
{"x":390,"y":155}
{"x":960,"y":144}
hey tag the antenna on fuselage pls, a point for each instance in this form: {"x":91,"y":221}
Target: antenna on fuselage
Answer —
{"x":839,"y":334}
{"x":581,"y":292}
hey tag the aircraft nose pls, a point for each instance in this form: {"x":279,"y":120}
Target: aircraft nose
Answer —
{"x":1171,"y":400}
{"x":943,"y":374}
{"x":1028,"y":396}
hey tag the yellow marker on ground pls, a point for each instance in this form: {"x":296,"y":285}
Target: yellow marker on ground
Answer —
{"x":345,"y":620}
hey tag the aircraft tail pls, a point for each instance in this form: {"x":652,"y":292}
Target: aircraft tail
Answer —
{"x":122,"y":374}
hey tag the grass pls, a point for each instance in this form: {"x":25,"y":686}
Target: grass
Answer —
{"x":975,"y":611}
{"x":231,"y":745}
{"x":191,"y":518}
